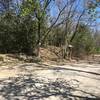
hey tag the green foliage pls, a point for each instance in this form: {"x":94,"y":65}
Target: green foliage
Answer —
{"x":92,"y":9}
{"x":20,"y":32}
{"x":97,"y":42}
{"x":16,"y":34}
{"x":83,"y":42}
{"x":24,"y":31}
{"x":27,"y":8}
{"x":56,"y":37}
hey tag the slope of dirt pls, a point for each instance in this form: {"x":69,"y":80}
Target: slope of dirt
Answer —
{"x":50,"y":53}
{"x":54,"y":55}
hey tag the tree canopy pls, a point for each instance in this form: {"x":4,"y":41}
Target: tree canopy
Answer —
{"x":27,"y":25}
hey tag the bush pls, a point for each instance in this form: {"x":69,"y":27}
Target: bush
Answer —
{"x":16,"y":34}
{"x":83,"y":42}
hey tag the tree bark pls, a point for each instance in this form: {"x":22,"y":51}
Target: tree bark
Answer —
{"x":38,"y":40}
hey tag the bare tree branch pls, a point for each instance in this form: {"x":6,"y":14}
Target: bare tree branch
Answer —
{"x":77,"y":26}
{"x":50,"y":28}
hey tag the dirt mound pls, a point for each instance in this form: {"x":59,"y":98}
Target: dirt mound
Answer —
{"x":9,"y":59}
{"x":50,"y":53}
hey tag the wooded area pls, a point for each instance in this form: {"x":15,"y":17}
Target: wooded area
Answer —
{"x":27,"y":25}
{"x":49,"y":50}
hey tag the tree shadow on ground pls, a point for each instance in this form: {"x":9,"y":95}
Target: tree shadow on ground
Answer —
{"x":28,"y":87}
{"x":39,"y":66}
{"x":32,"y":67}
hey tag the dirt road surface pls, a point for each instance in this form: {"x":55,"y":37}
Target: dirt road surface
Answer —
{"x":42,"y":81}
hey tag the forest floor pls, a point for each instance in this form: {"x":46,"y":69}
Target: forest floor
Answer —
{"x":49,"y":80}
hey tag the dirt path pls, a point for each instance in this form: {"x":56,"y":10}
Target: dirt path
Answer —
{"x":31,"y":81}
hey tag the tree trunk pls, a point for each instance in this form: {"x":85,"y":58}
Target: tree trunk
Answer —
{"x":38,"y":40}
{"x":65,"y":49}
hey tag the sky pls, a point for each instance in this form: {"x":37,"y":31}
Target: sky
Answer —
{"x":98,"y":18}
{"x":54,"y":12}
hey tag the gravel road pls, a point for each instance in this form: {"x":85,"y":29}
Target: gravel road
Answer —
{"x":32,"y":81}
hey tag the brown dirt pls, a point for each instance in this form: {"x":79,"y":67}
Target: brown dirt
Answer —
{"x":81,"y":74}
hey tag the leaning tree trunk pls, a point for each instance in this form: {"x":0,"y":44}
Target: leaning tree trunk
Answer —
{"x":65,"y":49}
{"x":38,"y":40}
